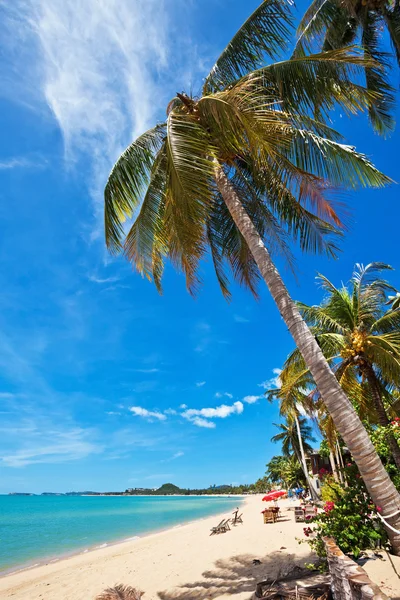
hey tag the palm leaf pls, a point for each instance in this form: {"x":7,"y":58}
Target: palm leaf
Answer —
{"x":127,"y":183}
{"x":265,"y":33}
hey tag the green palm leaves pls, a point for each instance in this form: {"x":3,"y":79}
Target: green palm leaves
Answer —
{"x":282,"y":163}
{"x":359,"y":337}
{"x":333,"y":24}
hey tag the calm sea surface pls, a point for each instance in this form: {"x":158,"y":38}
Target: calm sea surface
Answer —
{"x":38,"y":528}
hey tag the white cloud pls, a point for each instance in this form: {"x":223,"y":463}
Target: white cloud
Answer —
{"x":200,"y":416}
{"x":200,"y":383}
{"x":111,"y":412}
{"x":273,"y":382}
{"x":170,"y":411}
{"x":146,"y":370}
{"x":96,"y":279}
{"x":239,"y":319}
{"x":221,"y":394}
{"x":177,"y":455}
{"x":252,"y":399}
{"x":183,"y":406}
{"x":138,"y":411}
{"x":199,"y":422}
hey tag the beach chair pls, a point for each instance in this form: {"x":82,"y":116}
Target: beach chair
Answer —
{"x":237,"y":518}
{"x":221,"y":527}
{"x":217,"y":529}
{"x":299,"y":514}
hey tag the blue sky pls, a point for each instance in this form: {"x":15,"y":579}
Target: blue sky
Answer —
{"x":103,"y":384}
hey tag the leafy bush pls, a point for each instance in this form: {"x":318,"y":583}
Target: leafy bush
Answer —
{"x":349,"y":517}
{"x":331,"y":490}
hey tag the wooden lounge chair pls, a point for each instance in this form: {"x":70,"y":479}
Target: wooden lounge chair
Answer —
{"x":299,"y":514}
{"x":237,"y":518}
{"x":217,"y":529}
{"x":221,"y":527}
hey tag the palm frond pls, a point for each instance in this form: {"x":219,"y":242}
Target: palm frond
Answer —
{"x":146,"y":238}
{"x":339,"y":164}
{"x":381,"y":111}
{"x":127,"y":183}
{"x":392,"y":20}
{"x":318,"y":82}
{"x":265,"y":33}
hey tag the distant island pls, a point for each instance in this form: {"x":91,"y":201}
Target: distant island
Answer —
{"x":169,"y":489}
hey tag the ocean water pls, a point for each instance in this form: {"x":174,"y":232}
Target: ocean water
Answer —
{"x":37,"y":529}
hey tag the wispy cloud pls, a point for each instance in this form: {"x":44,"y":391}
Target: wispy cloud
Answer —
{"x":21,"y":162}
{"x":252,"y":399}
{"x":221,"y":394}
{"x":200,"y":383}
{"x":96,"y":279}
{"x":273,"y":382}
{"x":154,"y":370}
{"x":100,"y":66}
{"x":65,"y":446}
{"x":170,"y":411}
{"x":150,"y":415}
{"x":173,"y":457}
{"x":240,"y":319}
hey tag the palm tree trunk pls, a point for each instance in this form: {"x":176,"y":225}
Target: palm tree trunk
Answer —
{"x":313,"y":491}
{"x":333,"y":466}
{"x":381,"y":412}
{"x":347,"y":422}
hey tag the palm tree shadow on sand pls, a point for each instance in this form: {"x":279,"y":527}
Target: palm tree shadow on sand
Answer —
{"x":237,"y":575}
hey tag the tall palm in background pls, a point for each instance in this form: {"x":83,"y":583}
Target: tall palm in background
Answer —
{"x":360,"y":338}
{"x":245,"y":167}
{"x":290,"y":404}
{"x":290,"y":439}
{"x":332,"y":24}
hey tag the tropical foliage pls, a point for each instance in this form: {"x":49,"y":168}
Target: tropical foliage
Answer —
{"x":289,"y":438}
{"x":333,"y":24}
{"x":349,"y":517}
{"x":360,"y":338}
{"x":285,"y":471}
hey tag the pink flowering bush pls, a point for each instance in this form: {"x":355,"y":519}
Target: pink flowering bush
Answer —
{"x":351,"y":519}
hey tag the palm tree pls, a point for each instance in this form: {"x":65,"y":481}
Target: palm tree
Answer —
{"x":238,"y":172}
{"x":290,"y":438}
{"x":361,"y":341}
{"x":289,"y":403}
{"x":333,"y":24}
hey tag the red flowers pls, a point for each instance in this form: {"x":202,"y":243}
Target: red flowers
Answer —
{"x":307,"y":531}
{"x":329,"y":506}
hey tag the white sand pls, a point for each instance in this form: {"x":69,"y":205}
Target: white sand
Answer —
{"x":180,"y":564}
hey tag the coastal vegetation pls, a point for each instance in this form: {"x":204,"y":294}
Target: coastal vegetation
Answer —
{"x":243,"y":170}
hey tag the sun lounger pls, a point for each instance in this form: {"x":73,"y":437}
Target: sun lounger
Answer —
{"x":221,"y":527}
{"x":237,"y":518}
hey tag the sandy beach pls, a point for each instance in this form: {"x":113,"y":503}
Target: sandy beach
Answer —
{"x":184,"y":562}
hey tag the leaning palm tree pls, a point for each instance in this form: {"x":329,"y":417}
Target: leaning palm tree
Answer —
{"x":238,"y":172}
{"x":333,"y":24}
{"x":360,"y":339}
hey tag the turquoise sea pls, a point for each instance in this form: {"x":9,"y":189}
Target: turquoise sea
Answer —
{"x":37,"y":529}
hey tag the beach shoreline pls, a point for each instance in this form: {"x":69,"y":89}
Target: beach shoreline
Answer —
{"x":171,"y":559}
{"x":186,"y":563}
{"x":53,"y":558}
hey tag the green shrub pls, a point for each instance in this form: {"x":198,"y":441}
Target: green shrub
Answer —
{"x":350,"y":518}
